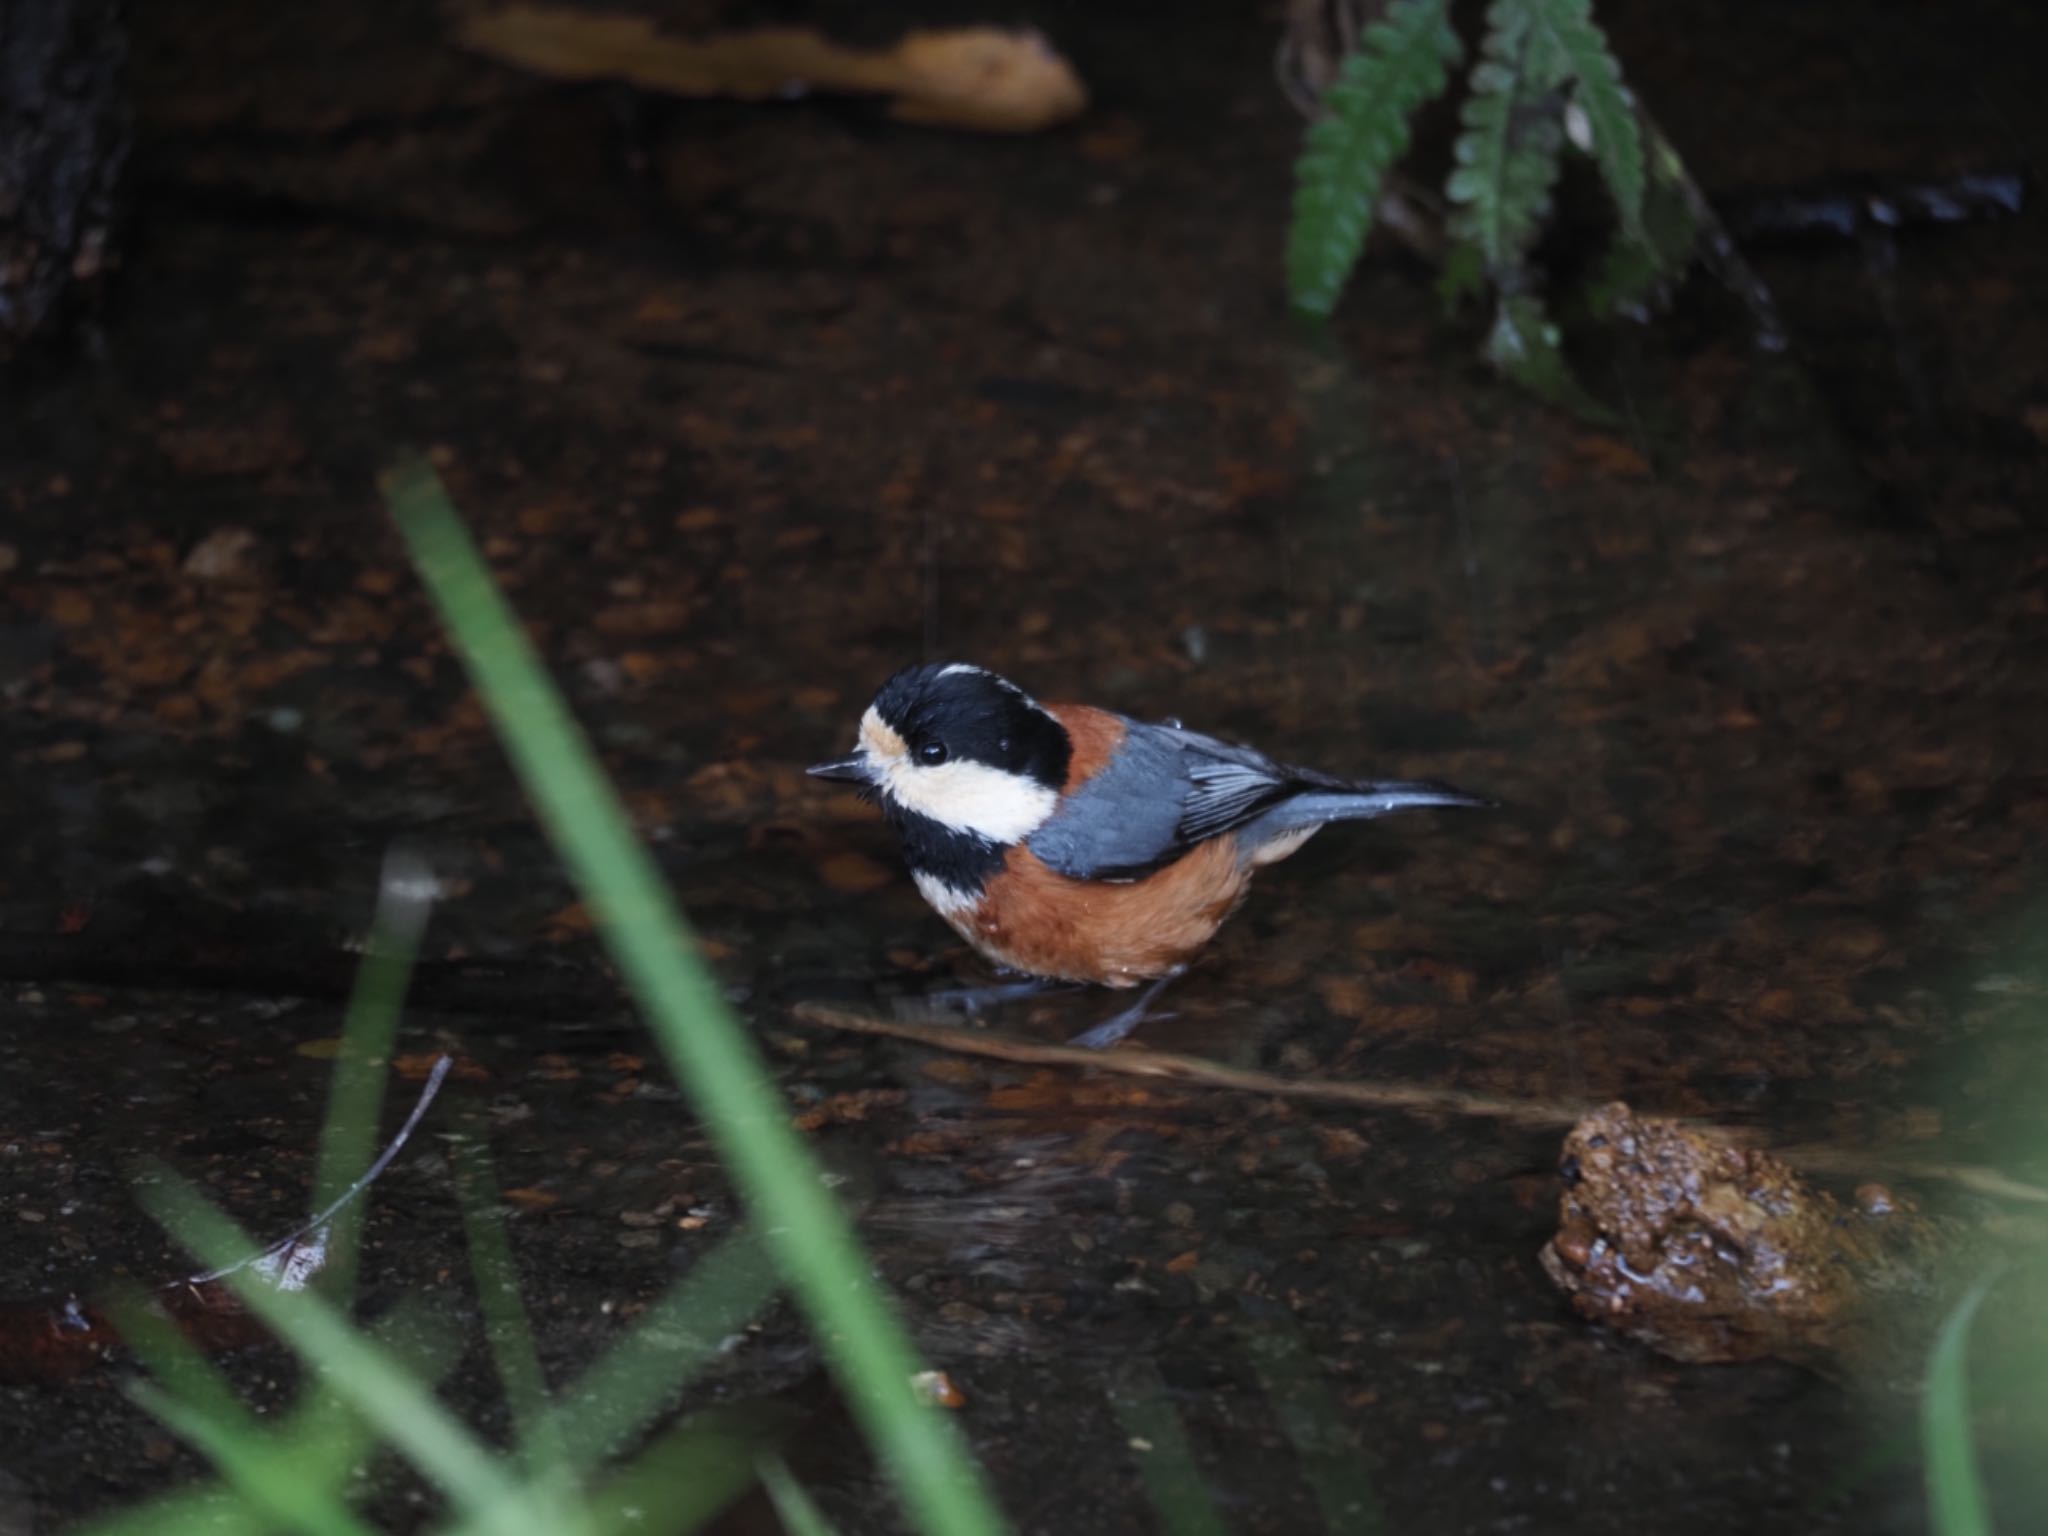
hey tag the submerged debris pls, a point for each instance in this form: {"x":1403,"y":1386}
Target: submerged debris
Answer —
{"x":936,"y":1389}
{"x":46,"y":1341}
{"x":1709,"y":1252}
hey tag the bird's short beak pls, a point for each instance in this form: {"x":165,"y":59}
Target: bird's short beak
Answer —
{"x":854,"y":770}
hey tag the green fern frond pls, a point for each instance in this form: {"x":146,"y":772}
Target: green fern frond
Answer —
{"x":1507,"y":156}
{"x":1636,"y":276}
{"x":1463,"y":276}
{"x":1568,"y":26}
{"x":1401,"y":63}
{"x":1525,"y":346}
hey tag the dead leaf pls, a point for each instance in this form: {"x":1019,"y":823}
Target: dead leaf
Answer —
{"x":1611,"y":458}
{"x":936,"y":1389}
{"x":854,"y":873}
{"x":418,"y":1066}
{"x":1339,"y":1143}
{"x":728,"y":791}
{"x":991,"y":79}
{"x":853,"y":1106}
{"x":641,"y":620}
{"x":68,"y":608}
{"x":223,"y":555}
{"x":1346,"y":996}
{"x":244,"y":446}
{"x":1454,"y":981}
{"x":571,"y":922}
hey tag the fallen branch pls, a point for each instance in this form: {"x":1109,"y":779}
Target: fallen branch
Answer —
{"x":1532,"y":1114}
{"x":1200,"y":1072}
{"x":1816,"y":1157}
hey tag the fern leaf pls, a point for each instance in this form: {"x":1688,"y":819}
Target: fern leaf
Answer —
{"x":1399,"y":64}
{"x":1463,"y":276}
{"x":1525,"y":347}
{"x":1507,"y":155}
{"x":1637,"y":276}
{"x":1598,"y":92}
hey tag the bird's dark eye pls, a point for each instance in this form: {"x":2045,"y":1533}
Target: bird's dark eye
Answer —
{"x":931,"y":753}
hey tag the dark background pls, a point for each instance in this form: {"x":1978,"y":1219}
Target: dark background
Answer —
{"x":751,"y":404}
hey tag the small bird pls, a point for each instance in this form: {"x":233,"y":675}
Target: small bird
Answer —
{"x":1073,"y":844}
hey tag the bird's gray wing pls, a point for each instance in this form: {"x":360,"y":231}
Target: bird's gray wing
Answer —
{"x":1166,"y":790}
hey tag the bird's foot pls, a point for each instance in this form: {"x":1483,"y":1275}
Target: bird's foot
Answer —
{"x":1110,"y":1031}
{"x":971,"y":1000}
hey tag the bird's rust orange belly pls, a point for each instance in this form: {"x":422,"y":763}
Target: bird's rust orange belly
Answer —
{"x":1035,"y":920}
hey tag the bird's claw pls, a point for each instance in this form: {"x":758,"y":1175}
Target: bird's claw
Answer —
{"x":972,"y":1000}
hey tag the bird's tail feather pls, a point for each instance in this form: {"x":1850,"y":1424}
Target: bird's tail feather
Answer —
{"x":1360,"y":802}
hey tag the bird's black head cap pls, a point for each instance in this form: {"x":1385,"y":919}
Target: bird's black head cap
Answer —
{"x":947,"y":712}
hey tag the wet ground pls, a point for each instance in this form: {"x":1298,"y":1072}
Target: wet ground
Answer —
{"x":754,"y":404}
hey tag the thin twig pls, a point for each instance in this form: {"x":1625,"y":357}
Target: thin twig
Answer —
{"x":1198,"y":1071}
{"x":314,"y":1223}
{"x":1533,"y":1114}
{"x":1817,"y":1157}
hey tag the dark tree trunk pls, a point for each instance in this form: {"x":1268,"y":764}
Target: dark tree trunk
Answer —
{"x":63,"y":144}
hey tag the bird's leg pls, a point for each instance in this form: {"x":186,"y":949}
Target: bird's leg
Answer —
{"x":971,"y":1000}
{"x":1106,"y":1034}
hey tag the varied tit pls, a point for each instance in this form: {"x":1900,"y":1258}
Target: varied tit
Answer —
{"x":1073,"y":844}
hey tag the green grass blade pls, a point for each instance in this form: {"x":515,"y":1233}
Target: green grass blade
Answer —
{"x":297,"y":1483}
{"x":251,"y":1465}
{"x":1331,"y":1461}
{"x":1400,"y":63}
{"x":1955,"y":1491}
{"x":1166,"y":1463}
{"x":794,"y":1507}
{"x":714,"y":1058}
{"x":168,"y":1355}
{"x":637,"y":1379}
{"x":692,"y":1471}
{"x":1569,"y":27}
{"x":356,"y":1366}
{"x":506,"y":1327}
{"x":306,"y":1443}
{"x":324,"y":1441}
{"x":348,"y":1139}
{"x":642,"y":1377}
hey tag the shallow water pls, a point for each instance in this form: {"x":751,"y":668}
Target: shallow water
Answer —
{"x":1758,"y":679}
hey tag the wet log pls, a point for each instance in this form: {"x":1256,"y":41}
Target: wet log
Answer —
{"x":64,"y":133}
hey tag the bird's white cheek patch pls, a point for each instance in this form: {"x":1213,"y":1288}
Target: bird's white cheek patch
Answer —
{"x":973,"y":797}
